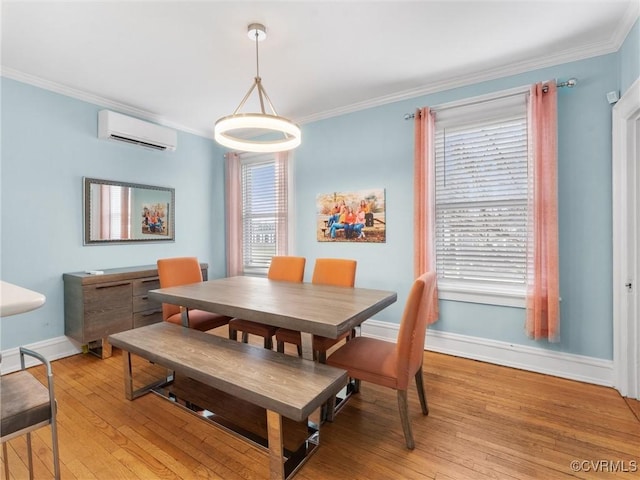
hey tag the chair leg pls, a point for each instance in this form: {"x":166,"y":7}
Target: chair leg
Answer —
{"x":280,"y":346}
{"x":421,"y":393}
{"x":54,"y":443}
{"x":356,"y":385}
{"x":5,"y":456}
{"x":245,"y":337}
{"x":233,"y":334}
{"x":403,"y":406}
{"x":299,"y":348}
{"x":268,"y":343}
{"x":30,"y":456}
{"x":321,"y":356}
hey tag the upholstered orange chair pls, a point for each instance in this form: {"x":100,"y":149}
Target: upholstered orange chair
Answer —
{"x":182,"y":271}
{"x":393,"y":364}
{"x":327,"y":271}
{"x":285,"y":269}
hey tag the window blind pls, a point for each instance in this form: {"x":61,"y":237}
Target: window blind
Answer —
{"x":481,"y":192}
{"x":264,"y":206}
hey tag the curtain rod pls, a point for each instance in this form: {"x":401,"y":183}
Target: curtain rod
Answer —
{"x":572,"y":82}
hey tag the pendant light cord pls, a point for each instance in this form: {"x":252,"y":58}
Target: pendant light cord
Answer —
{"x":257,"y":62}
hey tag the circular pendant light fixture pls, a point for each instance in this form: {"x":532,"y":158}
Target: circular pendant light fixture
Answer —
{"x":257,"y":132}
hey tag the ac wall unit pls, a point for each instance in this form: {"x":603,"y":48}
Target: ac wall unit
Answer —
{"x":122,"y":128}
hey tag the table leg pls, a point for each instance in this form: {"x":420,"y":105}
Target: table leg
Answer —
{"x":307,"y":345}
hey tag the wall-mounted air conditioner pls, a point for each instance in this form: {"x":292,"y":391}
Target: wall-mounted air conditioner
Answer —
{"x":122,"y":128}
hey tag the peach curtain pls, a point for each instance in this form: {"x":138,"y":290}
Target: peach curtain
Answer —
{"x":233,"y":193}
{"x":543,"y":319}
{"x":424,"y":204}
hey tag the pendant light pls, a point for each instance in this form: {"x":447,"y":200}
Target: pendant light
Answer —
{"x":274,"y":133}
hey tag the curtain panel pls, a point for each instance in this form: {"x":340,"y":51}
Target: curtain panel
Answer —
{"x":233,"y":194}
{"x":543,"y":312}
{"x":424,"y":204}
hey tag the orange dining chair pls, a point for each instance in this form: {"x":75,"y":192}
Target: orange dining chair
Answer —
{"x":284,"y":269}
{"x":182,"y":271}
{"x":326,"y":271}
{"x":393,"y":364}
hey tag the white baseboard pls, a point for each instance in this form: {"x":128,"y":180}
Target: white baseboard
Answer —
{"x":52,"y":349}
{"x":559,"y":364}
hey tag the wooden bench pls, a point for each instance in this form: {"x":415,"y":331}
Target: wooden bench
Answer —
{"x":283,"y":385}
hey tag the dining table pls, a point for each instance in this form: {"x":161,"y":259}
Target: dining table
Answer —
{"x":309,"y":308}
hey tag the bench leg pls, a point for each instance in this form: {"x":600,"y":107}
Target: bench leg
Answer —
{"x":128,"y":375}
{"x":129,"y":392}
{"x":276,"y":446}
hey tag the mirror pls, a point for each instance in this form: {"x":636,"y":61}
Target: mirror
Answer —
{"x":120,"y":212}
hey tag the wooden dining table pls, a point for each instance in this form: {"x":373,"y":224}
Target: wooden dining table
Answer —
{"x":311,"y":309}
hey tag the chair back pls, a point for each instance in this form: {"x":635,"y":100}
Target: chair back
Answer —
{"x":413,"y":328}
{"x":177,"y":271}
{"x":334,"y":271}
{"x":287,"y":269}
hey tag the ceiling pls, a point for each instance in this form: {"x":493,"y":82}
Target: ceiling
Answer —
{"x":186,"y":64}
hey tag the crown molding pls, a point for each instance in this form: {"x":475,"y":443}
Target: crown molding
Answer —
{"x":96,"y":100}
{"x":544,"y":60}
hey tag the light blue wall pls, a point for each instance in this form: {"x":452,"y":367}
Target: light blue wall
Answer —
{"x":630,"y":58}
{"x":374,"y":148}
{"x":49,"y":142}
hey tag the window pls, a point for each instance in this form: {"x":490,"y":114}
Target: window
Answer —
{"x":482,"y":193}
{"x":264,"y":211}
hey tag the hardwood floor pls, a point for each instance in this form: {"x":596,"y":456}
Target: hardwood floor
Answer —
{"x":485,"y":422}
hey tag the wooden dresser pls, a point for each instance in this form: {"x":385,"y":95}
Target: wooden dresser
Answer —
{"x":95,"y":306}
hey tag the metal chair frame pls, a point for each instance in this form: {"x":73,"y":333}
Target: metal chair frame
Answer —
{"x":51,"y":421}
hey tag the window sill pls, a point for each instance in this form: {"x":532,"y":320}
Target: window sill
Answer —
{"x":474,"y":293}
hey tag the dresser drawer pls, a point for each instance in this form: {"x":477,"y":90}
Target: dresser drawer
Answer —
{"x":142,"y":303}
{"x":142,"y":286}
{"x":101,"y":323}
{"x":141,"y":319}
{"x":106,"y":296}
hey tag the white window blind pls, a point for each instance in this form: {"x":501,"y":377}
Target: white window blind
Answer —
{"x":482,"y":189}
{"x":264,"y":206}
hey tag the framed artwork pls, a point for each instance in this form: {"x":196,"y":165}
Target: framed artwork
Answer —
{"x":154,"y":219}
{"x":357,"y":216}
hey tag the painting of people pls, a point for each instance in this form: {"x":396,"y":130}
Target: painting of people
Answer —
{"x":154,"y":219}
{"x":357,"y":217}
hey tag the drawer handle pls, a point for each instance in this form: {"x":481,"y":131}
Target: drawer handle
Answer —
{"x":151,"y":313}
{"x":150,"y":280}
{"x":112,"y":286}
{"x":145,"y":297}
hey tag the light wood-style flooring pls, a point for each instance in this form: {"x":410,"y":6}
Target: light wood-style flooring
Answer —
{"x":485,"y":422}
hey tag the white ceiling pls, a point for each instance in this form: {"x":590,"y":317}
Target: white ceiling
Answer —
{"x":188,"y":63}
